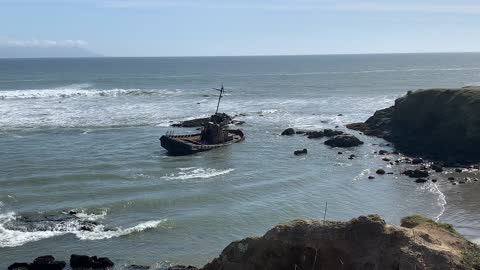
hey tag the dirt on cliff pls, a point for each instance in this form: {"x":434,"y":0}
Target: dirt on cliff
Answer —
{"x":366,"y":242}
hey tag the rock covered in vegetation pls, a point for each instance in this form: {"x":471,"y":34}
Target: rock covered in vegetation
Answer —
{"x":365,"y":242}
{"x":441,"y":123}
{"x":344,"y":141}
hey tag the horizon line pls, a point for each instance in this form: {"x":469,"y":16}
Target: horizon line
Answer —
{"x":246,"y":55}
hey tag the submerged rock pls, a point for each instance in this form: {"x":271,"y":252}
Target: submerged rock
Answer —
{"x":344,"y":141}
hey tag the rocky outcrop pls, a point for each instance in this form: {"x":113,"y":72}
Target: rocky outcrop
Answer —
{"x":344,"y":141}
{"x":442,"y":124}
{"x":362,"y":243}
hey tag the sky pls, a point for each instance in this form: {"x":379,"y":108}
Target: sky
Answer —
{"x":242,"y":27}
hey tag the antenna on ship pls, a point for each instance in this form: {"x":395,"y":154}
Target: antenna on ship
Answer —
{"x":221,"y":90}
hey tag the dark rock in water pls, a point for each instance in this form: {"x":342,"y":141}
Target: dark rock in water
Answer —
{"x":451,"y":178}
{"x":416,"y":173}
{"x":71,"y":212}
{"x":315,"y":134}
{"x":340,"y":153}
{"x":437,"y":167}
{"x":371,"y":177}
{"x":83,"y":261}
{"x":443,"y":124}
{"x":101,"y":263}
{"x":421,"y":180}
{"x":343,"y":141}
{"x":19,"y":266}
{"x":458,"y":170}
{"x":182,"y":267}
{"x":288,"y":132}
{"x":395,"y":153}
{"x":340,"y":114}
{"x":220,"y":118}
{"x":138,"y":267}
{"x":434,"y":180}
{"x":331,"y":132}
{"x":386,"y":159}
{"x":80,"y":261}
{"x":417,"y":161}
{"x":47,"y":263}
{"x":380,"y":171}
{"x":300,"y":152}
{"x":383,"y":152}
{"x":390,"y":173}
{"x":461,"y":182}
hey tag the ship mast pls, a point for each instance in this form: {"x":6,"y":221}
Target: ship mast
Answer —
{"x":221,"y":90}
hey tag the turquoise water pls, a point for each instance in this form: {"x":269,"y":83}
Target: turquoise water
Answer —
{"x":82,"y":135}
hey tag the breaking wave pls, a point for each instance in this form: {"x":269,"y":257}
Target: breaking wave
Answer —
{"x":196,"y":173}
{"x":82,"y":90}
{"x":16,"y":230}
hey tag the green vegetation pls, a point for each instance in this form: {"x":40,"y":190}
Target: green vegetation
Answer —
{"x":471,"y":256}
{"x":415,"y":220}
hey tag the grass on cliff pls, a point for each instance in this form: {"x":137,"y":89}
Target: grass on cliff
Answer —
{"x":415,"y":220}
{"x":471,"y":252}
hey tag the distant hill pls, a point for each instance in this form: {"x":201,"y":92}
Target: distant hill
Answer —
{"x":44,"y":52}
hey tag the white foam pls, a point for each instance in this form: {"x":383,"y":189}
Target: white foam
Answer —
{"x":100,"y":233}
{"x":441,"y":199}
{"x":196,"y":173}
{"x":64,"y":92}
{"x":20,"y":236}
{"x":91,"y":217}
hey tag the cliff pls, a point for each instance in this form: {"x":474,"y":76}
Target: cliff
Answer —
{"x":440,"y":123}
{"x":365,"y":242}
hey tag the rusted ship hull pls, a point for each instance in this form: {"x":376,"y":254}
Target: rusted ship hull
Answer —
{"x":181,"y":145}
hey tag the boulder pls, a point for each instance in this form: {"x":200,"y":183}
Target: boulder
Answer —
{"x":344,"y":141}
{"x":300,"y":152}
{"x":83,"y":261}
{"x":437,"y":167}
{"x":47,"y":263}
{"x":288,"y":132}
{"x":421,"y":180}
{"x":383,"y":152}
{"x":417,"y":161}
{"x":416,"y":173}
{"x":332,"y":133}
{"x":315,"y":134}
{"x":380,"y":171}
{"x":19,"y":266}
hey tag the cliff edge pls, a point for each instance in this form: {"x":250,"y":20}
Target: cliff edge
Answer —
{"x":443,"y":124}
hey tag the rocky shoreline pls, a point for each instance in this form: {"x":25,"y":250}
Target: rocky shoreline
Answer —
{"x":366,"y":242}
{"x":437,"y":124}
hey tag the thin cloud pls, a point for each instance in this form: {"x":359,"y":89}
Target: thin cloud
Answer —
{"x":426,"y":6}
{"x":41,"y":43}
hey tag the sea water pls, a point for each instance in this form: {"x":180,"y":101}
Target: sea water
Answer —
{"x":79,"y":147}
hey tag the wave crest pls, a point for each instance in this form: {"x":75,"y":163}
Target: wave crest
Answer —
{"x":17,"y":231}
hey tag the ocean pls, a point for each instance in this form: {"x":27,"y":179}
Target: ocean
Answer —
{"x":82,"y":170}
